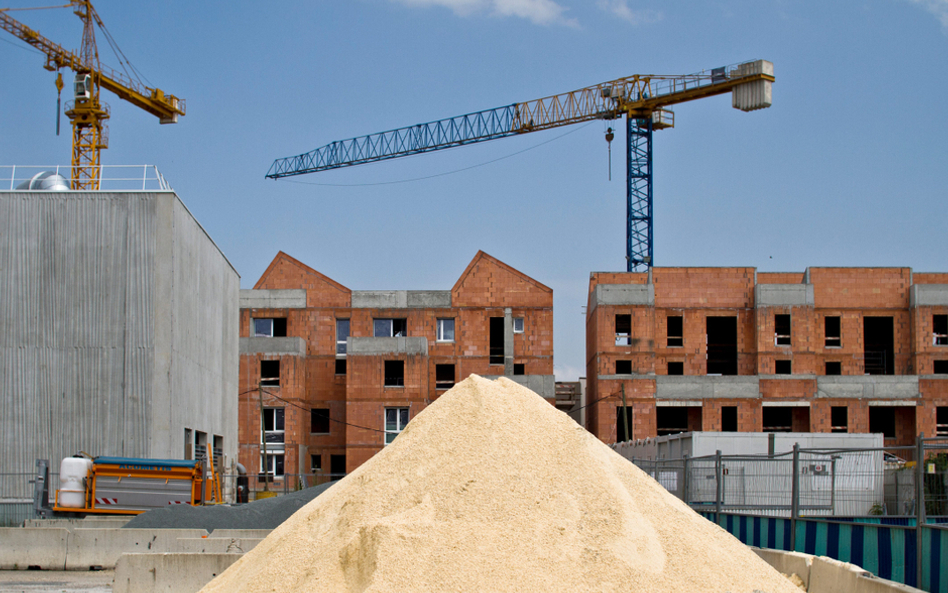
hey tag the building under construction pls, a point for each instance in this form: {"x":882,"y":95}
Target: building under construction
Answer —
{"x":733,"y":349}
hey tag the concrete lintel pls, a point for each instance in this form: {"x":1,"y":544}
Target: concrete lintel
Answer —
{"x":542,"y":385}
{"x":783,"y":295}
{"x":928,"y":295}
{"x":401,"y":299}
{"x":868,"y":387}
{"x":280,"y":346}
{"x":682,"y":403}
{"x":892,"y":403}
{"x":781,"y":404}
{"x":375,"y":346}
{"x":806,"y":376}
{"x":623,"y":294}
{"x":703,"y":387}
{"x":294,"y":298}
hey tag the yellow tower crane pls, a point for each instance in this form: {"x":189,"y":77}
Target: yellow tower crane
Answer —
{"x":86,"y":111}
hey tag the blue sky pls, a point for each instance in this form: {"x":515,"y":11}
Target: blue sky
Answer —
{"x":847,"y":168}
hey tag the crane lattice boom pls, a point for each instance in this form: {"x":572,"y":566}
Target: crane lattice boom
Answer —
{"x":643,"y":100}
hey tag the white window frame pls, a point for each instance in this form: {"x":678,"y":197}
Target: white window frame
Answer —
{"x":263,"y":334}
{"x":341,"y":343}
{"x":782,"y":339}
{"x":280,"y":432}
{"x":442,"y":322}
{"x":518,"y":321}
{"x":269,"y":468}
{"x":391,"y":327}
{"x":400,"y":414}
{"x":938,"y":339}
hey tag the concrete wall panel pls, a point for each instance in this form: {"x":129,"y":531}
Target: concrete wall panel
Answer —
{"x":178,"y":573}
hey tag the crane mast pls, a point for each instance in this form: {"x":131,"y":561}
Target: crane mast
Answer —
{"x":87,"y":112}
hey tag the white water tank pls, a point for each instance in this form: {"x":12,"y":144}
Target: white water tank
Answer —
{"x":47,"y":180}
{"x":73,"y":472}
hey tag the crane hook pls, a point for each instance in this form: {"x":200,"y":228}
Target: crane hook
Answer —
{"x":59,"y":92}
{"x":609,"y":137}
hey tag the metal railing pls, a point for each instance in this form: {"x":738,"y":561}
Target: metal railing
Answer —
{"x":111,"y":177}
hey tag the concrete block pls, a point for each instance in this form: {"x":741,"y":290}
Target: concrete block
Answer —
{"x":429,"y":299}
{"x":273,"y":299}
{"x":832,"y":576}
{"x":787,"y":563}
{"x":241,"y":533}
{"x":783,"y":295}
{"x":374,"y":346}
{"x":706,"y":387}
{"x":214,"y":545}
{"x":289,"y":345}
{"x":622,"y":294}
{"x":379,"y":299}
{"x":174,"y":573}
{"x":901,"y":387}
{"x":928,"y":295}
{"x":23,"y":547}
{"x":102,"y":547}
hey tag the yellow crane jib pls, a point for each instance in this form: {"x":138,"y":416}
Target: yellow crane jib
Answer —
{"x":86,"y":111}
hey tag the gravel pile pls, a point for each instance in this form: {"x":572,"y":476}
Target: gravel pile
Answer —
{"x":491,"y":488}
{"x":267,"y":513}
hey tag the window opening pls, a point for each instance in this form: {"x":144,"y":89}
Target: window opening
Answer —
{"x":444,"y":376}
{"x":940,"y":330}
{"x":831,"y":332}
{"x":270,"y":373}
{"x":269,"y":328}
{"x":782,"y":367}
{"x":623,"y":330}
{"x":273,"y":425}
{"x":342,"y":333}
{"x":316,"y":464}
{"x":341,"y":365}
{"x":882,"y":419}
{"x":518,"y":325}
{"x":337,"y":466}
{"x":728,"y":418}
{"x":941,"y":421}
{"x":879,"y":350}
{"x":274,"y":465}
{"x":620,"y":423}
{"x":722,"y":345}
{"x":778,"y":419}
{"x":781,"y":330}
{"x":518,"y":368}
{"x":394,"y":373}
{"x":395,"y":421}
{"x":496,"y":340}
{"x":319,"y":421}
{"x":675,"y":331}
{"x":623,"y":367}
{"x":674,"y":420}
{"x":676,"y":368}
{"x":940,"y":367}
{"x":390,"y":328}
{"x":834,"y":367}
{"x":273,"y":434}
{"x":445,"y":330}
{"x":839,"y":419}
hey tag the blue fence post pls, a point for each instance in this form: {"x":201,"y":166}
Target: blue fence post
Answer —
{"x":919,"y":504}
{"x":795,"y":496}
{"x":719,"y":492}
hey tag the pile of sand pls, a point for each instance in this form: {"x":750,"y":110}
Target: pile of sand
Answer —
{"x":492,"y":489}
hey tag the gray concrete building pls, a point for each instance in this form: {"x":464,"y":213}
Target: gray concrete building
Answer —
{"x":119,"y":319}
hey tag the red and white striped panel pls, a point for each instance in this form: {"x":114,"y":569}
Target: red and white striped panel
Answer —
{"x":177,"y":502}
{"x":106,"y":501}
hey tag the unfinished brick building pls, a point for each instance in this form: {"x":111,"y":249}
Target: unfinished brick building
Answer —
{"x":341,"y":371}
{"x":732,"y":349}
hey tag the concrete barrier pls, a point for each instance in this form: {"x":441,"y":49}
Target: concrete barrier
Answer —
{"x":241,"y":533}
{"x":173,"y":573}
{"x":86,"y":523}
{"x":22,"y":548}
{"x":102,"y":547}
{"x":215,"y":545}
{"x":825,"y":575}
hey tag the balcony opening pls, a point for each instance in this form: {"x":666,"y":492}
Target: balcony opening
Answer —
{"x":882,"y":419}
{"x":394,"y":373}
{"x":675,"y":420}
{"x":676,"y":337}
{"x":839,"y":419}
{"x":722,"y":345}
{"x":269,"y":328}
{"x":831,"y":332}
{"x":728,"y":418}
{"x":623,"y":330}
{"x":778,"y":419}
{"x":390,"y":328}
{"x":879,"y":349}
{"x":444,"y":376}
{"x":781,"y":330}
{"x":496,"y":340}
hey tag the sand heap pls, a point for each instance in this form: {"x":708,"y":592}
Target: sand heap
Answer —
{"x":492,"y":489}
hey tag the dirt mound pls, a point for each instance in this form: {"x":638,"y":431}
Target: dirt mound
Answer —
{"x":492,"y":489}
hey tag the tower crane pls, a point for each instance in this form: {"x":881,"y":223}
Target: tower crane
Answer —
{"x":86,"y":111}
{"x":644,"y":100}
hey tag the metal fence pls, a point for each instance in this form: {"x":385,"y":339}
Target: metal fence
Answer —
{"x":111,"y":177}
{"x":880,"y":508}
